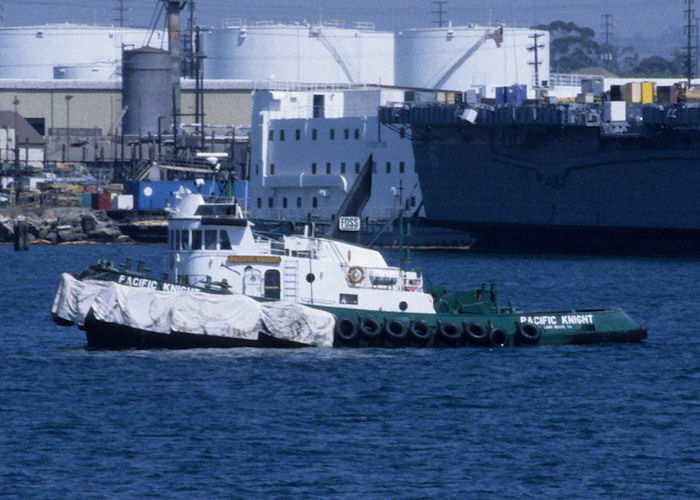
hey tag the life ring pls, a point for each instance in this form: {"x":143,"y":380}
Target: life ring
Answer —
{"x":410,"y":285}
{"x":346,"y":332}
{"x":356,"y":274}
{"x":528,"y":334}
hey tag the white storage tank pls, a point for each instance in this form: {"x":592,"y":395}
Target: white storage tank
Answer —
{"x":33,"y":52}
{"x":319,"y":53}
{"x":96,"y":71}
{"x":463,"y":57}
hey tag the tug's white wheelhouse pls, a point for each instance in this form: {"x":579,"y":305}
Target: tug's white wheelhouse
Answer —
{"x":214,"y":242}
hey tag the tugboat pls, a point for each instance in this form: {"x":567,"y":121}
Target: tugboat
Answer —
{"x":298,"y":290}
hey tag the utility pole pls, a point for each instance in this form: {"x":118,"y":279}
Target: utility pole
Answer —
{"x":607,"y":49}
{"x":536,"y":63}
{"x":440,"y":12}
{"x":121,"y":9}
{"x":690,"y":30}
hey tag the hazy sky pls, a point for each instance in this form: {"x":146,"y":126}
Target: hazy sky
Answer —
{"x":656,"y":23}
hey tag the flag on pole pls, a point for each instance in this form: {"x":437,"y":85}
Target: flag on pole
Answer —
{"x":498,"y":36}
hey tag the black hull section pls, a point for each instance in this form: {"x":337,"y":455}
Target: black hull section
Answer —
{"x":101,"y":335}
{"x":578,"y":240}
{"x":535,"y":186}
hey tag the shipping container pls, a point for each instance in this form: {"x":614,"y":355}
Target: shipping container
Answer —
{"x":648,"y":92}
{"x":616,"y":93}
{"x":101,"y":201}
{"x":633,"y":93}
{"x":516,"y":94}
{"x":501,"y":93}
{"x":123,"y":202}
{"x":85,"y":199}
{"x":592,"y":85}
{"x":614,"y":111}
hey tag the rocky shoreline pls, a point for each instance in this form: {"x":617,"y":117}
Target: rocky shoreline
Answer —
{"x":58,"y":225}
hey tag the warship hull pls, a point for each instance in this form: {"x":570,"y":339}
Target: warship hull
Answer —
{"x":567,"y":185}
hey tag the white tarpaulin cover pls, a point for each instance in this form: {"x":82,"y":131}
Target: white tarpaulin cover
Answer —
{"x":150,"y":310}
{"x":74,"y":298}
{"x":299,"y":323}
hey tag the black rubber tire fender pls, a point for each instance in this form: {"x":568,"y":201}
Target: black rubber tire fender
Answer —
{"x":528,"y":334}
{"x":395,"y":331}
{"x":449,"y":333}
{"x":498,"y":337}
{"x":420,"y":332}
{"x":370,"y":329}
{"x":476,"y":334}
{"x":346,"y":331}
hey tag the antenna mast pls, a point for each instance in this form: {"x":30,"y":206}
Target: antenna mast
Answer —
{"x":690,"y":28}
{"x":440,"y":12}
{"x":607,"y":49}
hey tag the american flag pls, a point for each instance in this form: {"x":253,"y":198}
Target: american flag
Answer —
{"x":498,"y":36}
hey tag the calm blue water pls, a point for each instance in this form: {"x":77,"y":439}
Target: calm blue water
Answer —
{"x":600,"y":421}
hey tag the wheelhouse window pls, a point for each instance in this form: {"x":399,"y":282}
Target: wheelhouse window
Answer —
{"x":224,"y":242}
{"x":331,"y":134}
{"x":357,"y":133}
{"x":196,"y":239}
{"x":328,"y":168}
{"x":342,"y":167}
{"x":271,"y":135}
{"x":314,"y":203}
{"x":298,"y":201}
{"x":357,"y":167}
{"x":402,"y":167}
{"x":210,"y":239}
{"x":297,"y":134}
{"x":313,"y":134}
{"x":185,"y":240}
{"x":347,"y":133}
{"x":313,"y":168}
{"x":281,"y":135}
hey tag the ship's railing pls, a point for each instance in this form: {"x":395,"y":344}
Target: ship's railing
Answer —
{"x":383,"y":278}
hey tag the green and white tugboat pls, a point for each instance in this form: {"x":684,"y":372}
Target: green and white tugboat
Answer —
{"x":228,"y":286}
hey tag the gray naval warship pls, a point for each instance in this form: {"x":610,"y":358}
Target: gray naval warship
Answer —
{"x":560,"y":177}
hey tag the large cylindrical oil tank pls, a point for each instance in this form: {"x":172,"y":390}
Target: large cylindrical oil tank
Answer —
{"x":462,"y":57}
{"x":147,"y":90}
{"x":32,"y":52}
{"x":299,"y":53}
